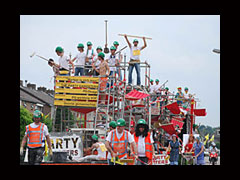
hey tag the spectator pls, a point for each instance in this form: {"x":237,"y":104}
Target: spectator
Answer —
{"x":175,"y":149}
{"x":188,"y":148}
{"x":96,"y":61}
{"x":89,"y":59}
{"x":199,"y":152}
{"x":116,"y":44}
{"x":112,"y":61}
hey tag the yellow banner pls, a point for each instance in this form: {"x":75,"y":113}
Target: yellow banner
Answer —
{"x":76,"y":91}
{"x":75,"y":103}
{"x":74,"y":97}
{"x":77,"y":78}
{"x":85,"y":85}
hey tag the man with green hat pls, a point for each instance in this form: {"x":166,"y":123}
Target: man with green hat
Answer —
{"x":103,"y":71}
{"x":112,"y":61}
{"x":99,"y":146}
{"x":96,"y":61}
{"x":117,"y":141}
{"x":80,"y":60}
{"x":35,"y":136}
{"x":144,"y":142}
{"x":64,"y":61}
{"x":135,"y":59}
{"x":90,"y":54}
{"x":116,"y":44}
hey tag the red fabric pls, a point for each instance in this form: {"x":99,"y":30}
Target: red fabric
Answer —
{"x":176,"y":122}
{"x":200,"y":112}
{"x":173,"y":108}
{"x":169,"y":128}
{"x":83,"y":110}
{"x":135,"y":95}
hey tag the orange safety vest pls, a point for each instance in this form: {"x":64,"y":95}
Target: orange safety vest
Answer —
{"x":148,"y":145}
{"x":119,"y":145}
{"x":35,"y":135}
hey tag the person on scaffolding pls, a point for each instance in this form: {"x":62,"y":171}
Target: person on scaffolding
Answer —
{"x":157,"y":90}
{"x":103,"y":69}
{"x":112,"y":61}
{"x":89,"y":59}
{"x":116,"y":44}
{"x":135,"y":59}
{"x":99,"y":146}
{"x":96,"y":61}
{"x":80,"y":60}
{"x":144,"y":142}
{"x":64,"y":62}
{"x":117,"y":142}
{"x":151,"y":90}
{"x":179,"y":96}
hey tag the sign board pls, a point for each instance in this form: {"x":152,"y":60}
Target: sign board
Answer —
{"x":185,"y":140}
{"x":155,"y":110}
{"x":160,"y":160}
{"x":76,"y":91}
{"x":72,"y":144}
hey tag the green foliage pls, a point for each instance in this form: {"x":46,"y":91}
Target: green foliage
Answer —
{"x":25,"y":119}
{"x":48,"y":122}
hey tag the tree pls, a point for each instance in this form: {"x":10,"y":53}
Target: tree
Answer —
{"x":25,"y":119}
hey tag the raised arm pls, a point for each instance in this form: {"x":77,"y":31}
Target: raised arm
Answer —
{"x":145,"y":44}
{"x":129,"y":44}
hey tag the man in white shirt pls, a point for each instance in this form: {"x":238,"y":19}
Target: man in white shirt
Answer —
{"x":80,"y":60}
{"x":112,"y":62}
{"x":35,"y":136}
{"x":64,"y":61}
{"x":90,"y":54}
{"x":135,"y":59}
{"x":117,"y":141}
{"x":116,"y":44}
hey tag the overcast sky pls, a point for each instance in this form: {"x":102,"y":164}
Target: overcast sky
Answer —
{"x":180,"y":50}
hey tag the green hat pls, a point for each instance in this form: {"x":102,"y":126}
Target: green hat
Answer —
{"x":112,"y":48}
{"x":121,"y":122}
{"x":185,"y":88}
{"x":141,"y":121}
{"x":99,"y":47}
{"x":167,"y":88}
{"x":135,"y":40}
{"x":113,"y":124}
{"x":115,"y":43}
{"x":95,"y":137}
{"x":89,"y":43}
{"x":80,"y":45}
{"x":59,"y":49}
{"x":101,"y":54}
{"x":157,"y":80}
{"x":37,"y":114}
{"x":151,"y":80}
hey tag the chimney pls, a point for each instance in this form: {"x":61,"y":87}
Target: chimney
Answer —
{"x":43,"y":89}
{"x":31,"y":86}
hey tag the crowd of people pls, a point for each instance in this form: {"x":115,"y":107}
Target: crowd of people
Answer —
{"x":94,"y":62}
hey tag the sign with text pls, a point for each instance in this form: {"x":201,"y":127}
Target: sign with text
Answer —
{"x":160,"y":159}
{"x":70,"y":144}
{"x":76,"y":91}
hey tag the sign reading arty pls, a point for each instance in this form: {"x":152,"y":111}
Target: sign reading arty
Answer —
{"x":76,"y":91}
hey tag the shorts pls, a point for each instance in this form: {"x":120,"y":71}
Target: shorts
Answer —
{"x":103,"y":83}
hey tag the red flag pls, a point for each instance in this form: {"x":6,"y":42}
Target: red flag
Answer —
{"x":135,"y":95}
{"x":176,"y":122}
{"x":173,"y":108}
{"x":169,"y":128}
{"x":199,"y":112}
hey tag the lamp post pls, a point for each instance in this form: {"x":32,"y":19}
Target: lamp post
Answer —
{"x":216,"y":51}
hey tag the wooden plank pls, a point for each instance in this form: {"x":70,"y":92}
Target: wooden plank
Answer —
{"x":83,"y":85}
{"x":75,"y":103}
{"x":77,"y":78}
{"x":76,"y":91}
{"x":74,"y":97}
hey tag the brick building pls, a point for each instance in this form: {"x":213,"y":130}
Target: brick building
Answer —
{"x":40,"y":98}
